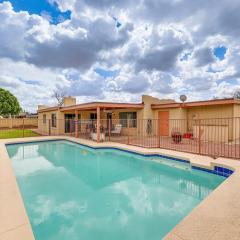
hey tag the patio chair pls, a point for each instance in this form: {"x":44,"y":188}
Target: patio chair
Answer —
{"x":117,"y":129}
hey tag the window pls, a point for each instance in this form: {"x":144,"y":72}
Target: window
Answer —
{"x":54,"y":120}
{"x":128,"y":117}
{"x":93,"y":116}
{"x":44,"y":119}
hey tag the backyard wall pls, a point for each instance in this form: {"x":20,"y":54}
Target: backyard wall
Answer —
{"x":18,"y":122}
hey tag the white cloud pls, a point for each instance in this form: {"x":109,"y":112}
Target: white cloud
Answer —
{"x":163,"y":48}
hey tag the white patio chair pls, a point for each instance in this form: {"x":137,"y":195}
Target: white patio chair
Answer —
{"x":117,"y":129}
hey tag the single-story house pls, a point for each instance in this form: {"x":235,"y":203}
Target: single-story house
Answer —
{"x":217,"y":119}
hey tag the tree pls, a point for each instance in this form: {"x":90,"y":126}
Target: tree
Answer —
{"x":59,"y":95}
{"x":237,"y":94}
{"x":9,"y":104}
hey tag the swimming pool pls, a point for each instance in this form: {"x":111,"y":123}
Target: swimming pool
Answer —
{"x":75,"y":192}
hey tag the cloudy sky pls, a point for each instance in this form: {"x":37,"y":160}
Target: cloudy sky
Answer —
{"x":118,"y":50}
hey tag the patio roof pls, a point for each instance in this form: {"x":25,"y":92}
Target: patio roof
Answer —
{"x":213,"y":102}
{"x":94,"y":106}
{"x":102,"y":105}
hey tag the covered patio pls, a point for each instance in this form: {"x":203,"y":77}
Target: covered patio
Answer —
{"x":99,"y":117}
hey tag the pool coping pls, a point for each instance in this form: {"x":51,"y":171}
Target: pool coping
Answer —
{"x":216,"y":217}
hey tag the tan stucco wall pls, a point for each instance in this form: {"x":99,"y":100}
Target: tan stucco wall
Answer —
{"x":85,"y":115}
{"x":177,"y":119}
{"x":115,"y":118}
{"x":181,"y":119}
{"x":68,"y":101}
{"x":236,"y":110}
{"x":18,"y":122}
{"x":236,"y":123}
{"x":44,"y":127}
{"x":149,"y":113}
{"x":145,"y":113}
{"x":224,"y":111}
{"x":217,"y":121}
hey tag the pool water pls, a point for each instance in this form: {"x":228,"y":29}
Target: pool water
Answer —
{"x":72,"y":192}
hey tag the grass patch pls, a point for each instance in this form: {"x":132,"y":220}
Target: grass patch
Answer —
{"x":17,"y":133}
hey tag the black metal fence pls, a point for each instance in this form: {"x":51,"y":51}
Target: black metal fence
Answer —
{"x":213,"y":137}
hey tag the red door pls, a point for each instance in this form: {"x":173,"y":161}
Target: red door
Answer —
{"x":163,"y":123}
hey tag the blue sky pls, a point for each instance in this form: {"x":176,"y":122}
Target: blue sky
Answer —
{"x":41,"y":7}
{"x":106,"y":73}
{"x":220,"y":52}
{"x":100,"y":50}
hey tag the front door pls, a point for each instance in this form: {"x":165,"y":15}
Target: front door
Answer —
{"x":163,"y":123}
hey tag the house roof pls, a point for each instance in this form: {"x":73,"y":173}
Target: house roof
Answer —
{"x":95,"y":105}
{"x":114,"y":105}
{"x":47,"y":109}
{"x":213,"y":102}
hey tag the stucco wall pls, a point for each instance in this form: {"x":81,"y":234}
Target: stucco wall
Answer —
{"x":18,"y":122}
{"x":221,"y":111}
{"x":215,"y":116}
{"x":236,"y":123}
{"x":85,"y":115}
{"x":180,"y":119}
{"x":44,"y":127}
{"x":149,"y":114}
{"x":177,"y":119}
{"x":218,"y":119}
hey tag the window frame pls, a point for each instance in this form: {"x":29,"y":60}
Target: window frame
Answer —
{"x":125,"y":116}
{"x":53,"y":120}
{"x":44,"y":118}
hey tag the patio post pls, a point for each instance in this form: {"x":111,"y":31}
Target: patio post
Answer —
{"x":109,"y":129}
{"x":76,"y":123}
{"x":158,"y":133}
{"x":98,"y":124}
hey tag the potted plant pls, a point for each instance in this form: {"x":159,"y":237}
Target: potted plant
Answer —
{"x":176,"y":137}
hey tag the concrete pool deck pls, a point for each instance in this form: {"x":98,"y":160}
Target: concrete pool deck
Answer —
{"x":216,"y":217}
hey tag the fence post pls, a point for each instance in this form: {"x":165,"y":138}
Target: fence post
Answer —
{"x":76,"y":123}
{"x":109,"y":130}
{"x":23,"y":127}
{"x":128,"y":141}
{"x":98,"y":125}
{"x":76,"y":128}
{"x":49,"y":127}
{"x":199,"y":137}
{"x":11,"y":124}
{"x":158,"y":133}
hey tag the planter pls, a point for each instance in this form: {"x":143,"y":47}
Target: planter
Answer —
{"x":187,"y":135}
{"x":176,"y":137}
